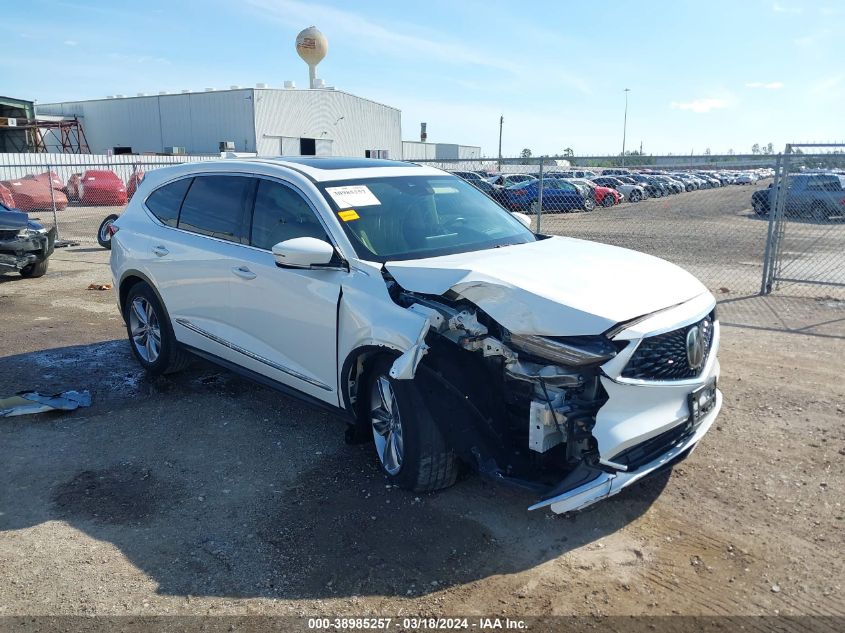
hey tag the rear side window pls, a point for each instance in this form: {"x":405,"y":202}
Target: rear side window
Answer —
{"x":215,"y":206}
{"x":282,"y":214}
{"x":165,"y":201}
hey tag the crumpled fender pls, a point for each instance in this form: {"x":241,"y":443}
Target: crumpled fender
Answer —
{"x":368,"y":317}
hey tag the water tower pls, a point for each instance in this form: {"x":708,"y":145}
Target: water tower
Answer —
{"x":312,"y":46}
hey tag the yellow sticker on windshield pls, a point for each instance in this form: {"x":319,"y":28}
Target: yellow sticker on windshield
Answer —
{"x":349,"y":214}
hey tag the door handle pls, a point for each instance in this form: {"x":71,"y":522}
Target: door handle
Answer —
{"x":244,"y":272}
{"x":160,"y":251}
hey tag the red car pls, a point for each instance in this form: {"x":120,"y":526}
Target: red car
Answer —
{"x":31,"y":194}
{"x":50,"y":179}
{"x":134,"y":180}
{"x":606,"y":196}
{"x":97,"y":187}
{"x":6,"y":197}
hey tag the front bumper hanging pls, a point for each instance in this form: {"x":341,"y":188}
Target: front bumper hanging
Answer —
{"x":607,"y":484}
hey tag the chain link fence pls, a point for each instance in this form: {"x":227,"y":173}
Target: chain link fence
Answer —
{"x":700,"y":219}
{"x":775,"y":225}
{"x":75,"y":192}
{"x":805,"y":205}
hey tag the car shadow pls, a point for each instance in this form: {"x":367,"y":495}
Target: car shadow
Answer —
{"x":214,"y":486}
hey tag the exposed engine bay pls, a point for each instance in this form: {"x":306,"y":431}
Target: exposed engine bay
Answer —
{"x":520,"y":408}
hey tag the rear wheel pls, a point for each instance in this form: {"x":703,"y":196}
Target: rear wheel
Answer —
{"x":32,"y":271}
{"x":635,"y":196}
{"x":151,"y":334}
{"x":607,"y":201}
{"x":818,"y":212}
{"x":103,"y":233}
{"x":411,"y":449}
{"x":589,"y":205}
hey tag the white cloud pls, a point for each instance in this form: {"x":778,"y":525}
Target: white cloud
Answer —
{"x":815,"y":41}
{"x":825,"y":86}
{"x":779,"y":8}
{"x":71,"y":42}
{"x":700,"y":105}
{"x":772,"y":85}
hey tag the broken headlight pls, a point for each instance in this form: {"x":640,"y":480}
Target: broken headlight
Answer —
{"x":575,"y":351}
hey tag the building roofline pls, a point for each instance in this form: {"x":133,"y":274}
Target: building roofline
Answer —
{"x":203,"y":92}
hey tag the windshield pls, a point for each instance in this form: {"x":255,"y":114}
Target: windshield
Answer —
{"x":412,"y":217}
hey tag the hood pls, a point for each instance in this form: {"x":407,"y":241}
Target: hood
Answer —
{"x":559,"y":286}
{"x":13,"y":220}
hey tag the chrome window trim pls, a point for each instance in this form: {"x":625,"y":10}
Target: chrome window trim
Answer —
{"x":332,"y":238}
{"x":286,"y":370}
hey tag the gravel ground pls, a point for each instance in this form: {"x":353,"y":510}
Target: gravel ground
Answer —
{"x":201,"y":493}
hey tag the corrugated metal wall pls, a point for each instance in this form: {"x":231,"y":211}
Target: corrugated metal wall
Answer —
{"x":352,"y":124}
{"x":415,"y":150}
{"x":195,"y":121}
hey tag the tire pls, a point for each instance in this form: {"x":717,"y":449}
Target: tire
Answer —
{"x":153,"y":344}
{"x":589,"y":205}
{"x":33,"y":271}
{"x":103,"y":235}
{"x":425,"y":462}
{"x":607,"y":201}
{"x":760,"y":208}
{"x":818,"y":212}
{"x":635,"y":196}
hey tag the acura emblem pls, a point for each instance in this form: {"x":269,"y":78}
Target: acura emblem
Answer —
{"x":695,"y":347}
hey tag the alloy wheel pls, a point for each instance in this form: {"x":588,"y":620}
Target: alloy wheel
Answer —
{"x":145,"y":328}
{"x":387,"y":425}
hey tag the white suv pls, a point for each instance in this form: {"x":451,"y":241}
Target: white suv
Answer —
{"x":442,"y":327}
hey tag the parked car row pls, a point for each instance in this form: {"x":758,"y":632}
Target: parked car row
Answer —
{"x":46,"y":191}
{"x":580,"y":189}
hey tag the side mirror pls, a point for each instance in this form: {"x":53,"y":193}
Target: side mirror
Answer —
{"x":303,"y":252}
{"x":524,"y":219}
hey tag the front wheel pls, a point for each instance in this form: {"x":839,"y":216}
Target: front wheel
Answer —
{"x":635,"y":196}
{"x":589,"y":205}
{"x":32,"y":271}
{"x":411,"y":449}
{"x":103,"y":233}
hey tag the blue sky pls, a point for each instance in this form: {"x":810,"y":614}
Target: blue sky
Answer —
{"x":717,"y":74}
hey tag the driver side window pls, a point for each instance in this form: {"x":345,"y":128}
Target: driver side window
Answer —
{"x":280,"y":214}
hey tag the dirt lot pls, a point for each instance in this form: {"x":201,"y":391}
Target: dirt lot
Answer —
{"x":201,"y":493}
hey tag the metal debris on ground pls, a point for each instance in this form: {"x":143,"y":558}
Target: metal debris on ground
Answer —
{"x":29,"y":402}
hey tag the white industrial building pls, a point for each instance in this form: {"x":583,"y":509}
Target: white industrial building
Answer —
{"x":417,"y":150}
{"x":267,"y":121}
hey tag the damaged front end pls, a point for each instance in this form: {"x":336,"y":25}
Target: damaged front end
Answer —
{"x":23,"y":243}
{"x":524,"y":408}
{"x":518,"y":408}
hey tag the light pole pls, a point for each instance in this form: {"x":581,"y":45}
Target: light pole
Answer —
{"x":625,"y":125}
{"x":501,"y":122}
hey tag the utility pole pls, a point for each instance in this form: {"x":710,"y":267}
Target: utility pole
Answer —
{"x":625,"y":125}
{"x":501,"y":122}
